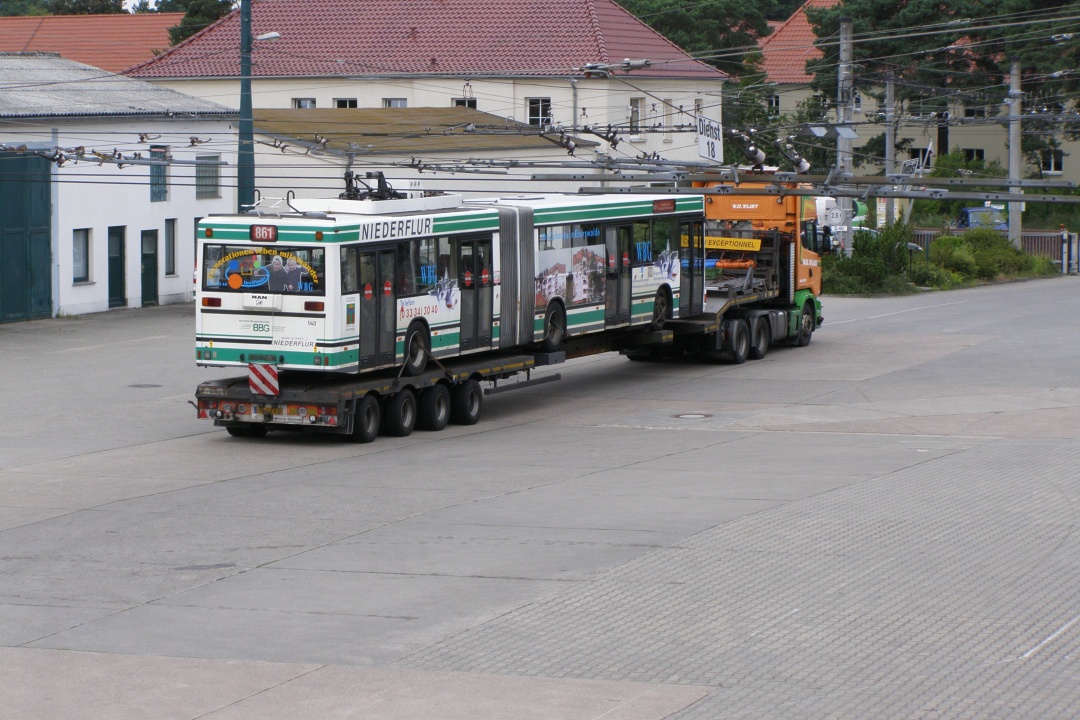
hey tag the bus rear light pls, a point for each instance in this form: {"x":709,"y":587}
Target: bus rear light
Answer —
{"x":211,"y":302}
{"x":314,"y":306}
{"x":318,"y":235}
{"x":209,"y":232}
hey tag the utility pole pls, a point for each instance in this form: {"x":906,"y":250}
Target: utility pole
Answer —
{"x":845,"y":98}
{"x":1014,"y":151}
{"x":890,"y":142}
{"x":245,"y":150}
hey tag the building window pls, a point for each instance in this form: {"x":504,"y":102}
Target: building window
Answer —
{"x":774,"y":105}
{"x":974,"y":111}
{"x":344,"y":103}
{"x":207,"y":177}
{"x":666,"y":120}
{"x":465,"y":102}
{"x":636,"y":105}
{"x":973,"y":154}
{"x":170,"y":246}
{"x":303,"y":103}
{"x":80,"y":259}
{"x":539,"y":110}
{"x":395,"y":102}
{"x":159,"y":174}
{"x":1053,"y":161}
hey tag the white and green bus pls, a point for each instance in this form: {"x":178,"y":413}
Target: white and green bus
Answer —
{"x":349,"y":286}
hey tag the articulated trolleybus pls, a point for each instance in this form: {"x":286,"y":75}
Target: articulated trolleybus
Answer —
{"x":355,"y":315}
{"x":374,"y":313}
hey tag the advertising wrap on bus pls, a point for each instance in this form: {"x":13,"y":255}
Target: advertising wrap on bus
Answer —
{"x":283,"y":270}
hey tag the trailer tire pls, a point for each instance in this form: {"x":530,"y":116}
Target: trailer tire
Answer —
{"x":399,"y":413}
{"x":661,"y":309}
{"x":247,"y":430}
{"x":806,"y":326}
{"x":740,"y":341}
{"x":417,"y":345}
{"x":467,"y":401}
{"x":434,"y":412}
{"x":366,"y":420}
{"x":554,"y":328}
{"x":759,"y":338}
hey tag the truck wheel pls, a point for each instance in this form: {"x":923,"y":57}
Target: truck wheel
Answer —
{"x":416,"y":349}
{"x":554,"y":328}
{"x":759,"y":336}
{"x":740,"y":342}
{"x":399,"y":413}
{"x":434,"y":411}
{"x":806,"y":326}
{"x":366,"y":419}
{"x":247,"y":430}
{"x":467,"y":402}
{"x":661,"y":309}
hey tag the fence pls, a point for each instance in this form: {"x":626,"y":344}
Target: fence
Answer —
{"x":1033,"y":242}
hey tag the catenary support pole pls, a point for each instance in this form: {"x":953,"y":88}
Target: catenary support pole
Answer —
{"x":245,"y":150}
{"x":1014,"y":151}
{"x":890,"y":142}
{"x":845,"y":98}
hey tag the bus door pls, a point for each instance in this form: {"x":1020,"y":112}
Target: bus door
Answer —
{"x":692,"y":277}
{"x":378,"y":308}
{"x":476,"y":281}
{"x":617,"y":287}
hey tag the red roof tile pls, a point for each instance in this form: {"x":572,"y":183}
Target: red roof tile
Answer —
{"x":110,"y":42}
{"x":428,"y":37}
{"x":790,"y":45}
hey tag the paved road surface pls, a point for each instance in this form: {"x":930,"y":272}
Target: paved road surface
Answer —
{"x":880,"y":525}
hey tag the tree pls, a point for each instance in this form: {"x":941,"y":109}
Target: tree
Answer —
{"x":23,"y":7}
{"x":86,"y":7}
{"x":199,"y":14}
{"x":721,"y":32}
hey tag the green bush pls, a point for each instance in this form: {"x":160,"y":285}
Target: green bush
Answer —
{"x":952,"y":253}
{"x":924,"y":274}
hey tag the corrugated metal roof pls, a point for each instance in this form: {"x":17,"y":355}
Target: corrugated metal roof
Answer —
{"x":404,"y":131}
{"x":786,"y":50}
{"x":428,"y":37}
{"x":47,"y":85}
{"x":111,"y":42}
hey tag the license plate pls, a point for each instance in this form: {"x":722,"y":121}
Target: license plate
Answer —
{"x":269,"y":410}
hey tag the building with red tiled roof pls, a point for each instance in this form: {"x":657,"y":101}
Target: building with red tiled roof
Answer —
{"x":110,"y":42}
{"x":525,"y":60}
{"x":791,"y":44}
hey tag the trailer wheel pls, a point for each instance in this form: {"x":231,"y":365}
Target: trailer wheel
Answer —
{"x":740,"y":342}
{"x":661,"y":309}
{"x":434,"y":408}
{"x":399,"y":413}
{"x":416,"y":349}
{"x":247,"y":430}
{"x":554,"y":328}
{"x":366,"y":419}
{"x":467,"y":401}
{"x":760,"y":336}
{"x":806,"y":326}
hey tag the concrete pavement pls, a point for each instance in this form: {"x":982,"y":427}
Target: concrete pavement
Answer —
{"x":878,"y":525}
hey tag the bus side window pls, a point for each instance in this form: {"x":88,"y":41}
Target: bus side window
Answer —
{"x":406,"y":265}
{"x":426,"y":272}
{"x":349,"y":271}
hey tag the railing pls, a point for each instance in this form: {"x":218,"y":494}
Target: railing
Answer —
{"x":1033,"y":242}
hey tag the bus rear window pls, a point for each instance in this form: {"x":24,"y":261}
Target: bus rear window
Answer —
{"x":284,"y":270}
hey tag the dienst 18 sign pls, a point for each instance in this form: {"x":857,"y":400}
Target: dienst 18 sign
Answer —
{"x":710,"y":139}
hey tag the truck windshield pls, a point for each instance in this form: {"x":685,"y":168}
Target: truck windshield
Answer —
{"x":988,"y":217}
{"x":247,"y":268}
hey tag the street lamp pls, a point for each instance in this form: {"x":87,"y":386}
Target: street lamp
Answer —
{"x":245,"y":151}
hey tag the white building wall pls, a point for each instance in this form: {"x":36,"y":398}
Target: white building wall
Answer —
{"x":96,"y":198}
{"x":598,"y":102}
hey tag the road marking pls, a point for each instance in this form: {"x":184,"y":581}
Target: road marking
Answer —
{"x":1060,"y":630}
{"x":898,"y":312}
